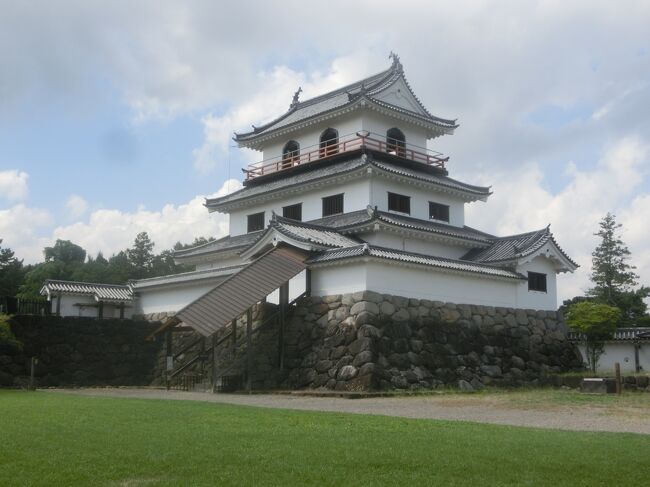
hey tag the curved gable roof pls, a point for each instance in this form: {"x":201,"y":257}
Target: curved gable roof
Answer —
{"x":369,"y":88}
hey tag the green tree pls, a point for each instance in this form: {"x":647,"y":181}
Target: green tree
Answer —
{"x":11,"y":272}
{"x":66,"y":252}
{"x":614,"y":277}
{"x":596,"y":322}
{"x":141,"y":256}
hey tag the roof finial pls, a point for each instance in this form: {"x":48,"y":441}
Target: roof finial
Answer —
{"x":294,"y":102}
{"x":396,"y":62}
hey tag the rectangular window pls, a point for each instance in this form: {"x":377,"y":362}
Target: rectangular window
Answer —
{"x":536,"y":282}
{"x":399,"y":202}
{"x":293,"y":211}
{"x":255,"y":222}
{"x":438,"y":211}
{"x":333,"y":205}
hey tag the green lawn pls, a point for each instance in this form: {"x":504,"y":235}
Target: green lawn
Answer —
{"x":56,"y":439}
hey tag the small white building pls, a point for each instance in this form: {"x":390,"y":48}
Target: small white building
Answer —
{"x":101,"y":301}
{"x":347,"y":180}
{"x":629,"y":347}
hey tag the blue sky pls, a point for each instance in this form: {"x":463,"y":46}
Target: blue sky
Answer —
{"x":117,"y":118}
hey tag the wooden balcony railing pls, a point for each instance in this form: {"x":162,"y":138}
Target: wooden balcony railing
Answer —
{"x":346,"y":143}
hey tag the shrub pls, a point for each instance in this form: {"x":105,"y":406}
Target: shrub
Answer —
{"x":7,"y":339}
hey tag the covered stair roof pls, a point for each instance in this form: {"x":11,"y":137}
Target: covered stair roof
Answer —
{"x":239,"y":292}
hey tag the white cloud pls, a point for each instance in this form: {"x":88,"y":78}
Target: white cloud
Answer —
{"x":76,"y":206}
{"x":13,"y":184}
{"x":20,"y":228}
{"x":522,"y":203}
{"x":275,"y":89}
{"x":110,"y":231}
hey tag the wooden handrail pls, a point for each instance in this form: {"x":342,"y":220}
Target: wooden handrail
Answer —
{"x":347,"y":143}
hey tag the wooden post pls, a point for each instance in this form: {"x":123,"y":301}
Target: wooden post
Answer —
{"x":214,"y":363}
{"x":100,"y":310}
{"x":58,"y":305}
{"x":249,"y":349}
{"x":284,"y":304}
{"x":308,"y":282}
{"x":121,"y":311}
{"x":233,"y":333}
{"x":637,"y":365}
{"x":32,"y":382}
{"x":617,"y":371}
{"x":169,"y":358}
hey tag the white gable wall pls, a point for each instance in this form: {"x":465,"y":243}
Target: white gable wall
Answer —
{"x":537,"y":299}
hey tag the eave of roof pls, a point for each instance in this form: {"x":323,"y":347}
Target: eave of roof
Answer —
{"x":510,"y":249}
{"x":299,"y":234}
{"x":184,"y":277}
{"x":369,"y":218}
{"x":320,"y":173}
{"x":366,"y":251}
{"x":100,"y":291}
{"x":224,"y":245}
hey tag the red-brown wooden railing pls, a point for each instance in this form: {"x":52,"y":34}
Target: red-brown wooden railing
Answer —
{"x":344,"y":144}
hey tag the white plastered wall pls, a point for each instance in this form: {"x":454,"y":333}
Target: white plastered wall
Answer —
{"x":623,"y":353}
{"x":424,"y":283}
{"x":356,"y":197}
{"x":538,"y":299}
{"x":69,"y":307}
{"x":420,"y":198}
{"x":172,"y":298}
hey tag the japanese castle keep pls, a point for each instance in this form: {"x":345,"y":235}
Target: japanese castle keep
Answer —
{"x":349,"y":264}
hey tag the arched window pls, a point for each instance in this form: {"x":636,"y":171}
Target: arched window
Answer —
{"x":396,"y":142}
{"x":329,"y":142}
{"x":290,"y":154}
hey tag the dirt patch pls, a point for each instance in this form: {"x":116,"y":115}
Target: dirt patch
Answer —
{"x":540,"y":409}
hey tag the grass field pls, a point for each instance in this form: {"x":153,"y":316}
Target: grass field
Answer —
{"x":56,"y":439}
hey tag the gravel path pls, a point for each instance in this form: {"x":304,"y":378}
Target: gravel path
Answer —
{"x":475,"y":409}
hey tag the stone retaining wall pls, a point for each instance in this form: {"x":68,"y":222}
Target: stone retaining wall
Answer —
{"x":79,"y":351}
{"x":368,"y":340}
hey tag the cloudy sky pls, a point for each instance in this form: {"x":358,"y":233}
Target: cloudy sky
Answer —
{"x":116,"y":118}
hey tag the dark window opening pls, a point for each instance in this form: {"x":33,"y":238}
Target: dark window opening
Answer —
{"x":333,"y":205}
{"x":536,"y":281}
{"x":396,"y":142}
{"x":290,"y":154}
{"x":438,"y":211}
{"x":399,"y":202}
{"x":293,"y":211}
{"x":329,"y":142}
{"x":255,"y":222}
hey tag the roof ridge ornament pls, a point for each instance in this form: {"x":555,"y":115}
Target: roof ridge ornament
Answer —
{"x":296,"y":95}
{"x":397,"y":65}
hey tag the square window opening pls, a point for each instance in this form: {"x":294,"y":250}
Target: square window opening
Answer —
{"x":537,"y":282}
{"x":293,"y":211}
{"x":399,"y":202}
{"x":255,"y":222}
{"x":333,"y":205}
{"x":438,"y":211}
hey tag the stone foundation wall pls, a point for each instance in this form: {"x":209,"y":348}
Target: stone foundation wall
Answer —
{"x":79,"y":351}
{"x":368,"y":340}
{"x":265,"y":372}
